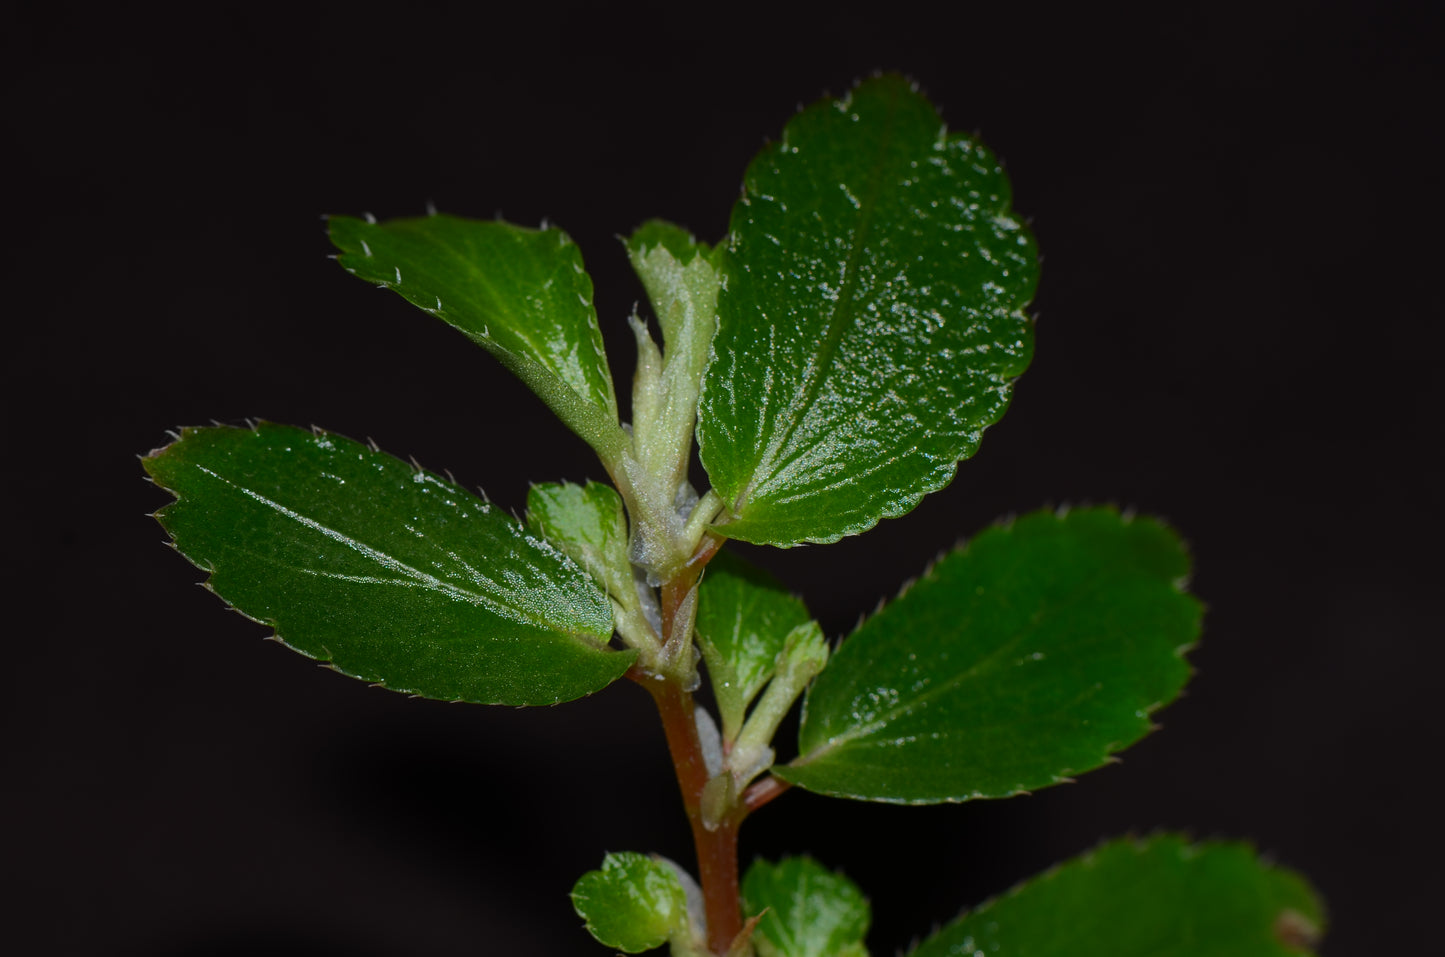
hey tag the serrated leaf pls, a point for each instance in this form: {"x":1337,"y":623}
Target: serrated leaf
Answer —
{"x":681,"y":276}
{"x":744,"y":616}
{"x":682,"y":281}
{"x":682,"y":244}
{"x":807,"y":910}
{"x":1145,"y":898}
{"x":522,"y":294}
{"x":872,"y":320}
{"x":588,"y":523}
{"x":391,"y":573}
{"x":634,"y":903}
{"x":1033,"y":653}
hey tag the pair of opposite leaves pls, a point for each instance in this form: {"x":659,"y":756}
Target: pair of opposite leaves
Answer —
{"x":869,"y":328}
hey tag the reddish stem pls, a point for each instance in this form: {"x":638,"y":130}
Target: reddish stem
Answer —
{"x":717,"y":849}
{"x":761,"y":792}
{"x":675,"y":590}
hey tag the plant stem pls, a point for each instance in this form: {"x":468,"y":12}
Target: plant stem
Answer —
{"x":717,"y":849}
{"x":761,"y":792}
{"x":675,"y":590}
{"x":717,"y":846}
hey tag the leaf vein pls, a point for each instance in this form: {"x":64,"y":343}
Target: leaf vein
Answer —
{"x":418,"y":578}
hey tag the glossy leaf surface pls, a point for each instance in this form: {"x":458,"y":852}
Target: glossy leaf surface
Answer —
{"x":1031,"y":654}
{"x":872,"y":320}
{"x":634,"y":903}
{"x":807,"y":910}
{"x":744,"y":616}
{"x":520,"y":293}
{"x":588,"y":523}
{"x":392,"y":574}
{"x":1145,"y":899}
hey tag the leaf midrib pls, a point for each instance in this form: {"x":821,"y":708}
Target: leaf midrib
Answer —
{"x":980,"y":667}
{"x":837,"y":324}
{"x":903,"y":708}
{"x":420,"y":578}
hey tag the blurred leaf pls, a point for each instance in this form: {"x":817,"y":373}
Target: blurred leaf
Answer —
{"x":807,"y":910}
{"x":1145,"y":898}
{"x":634,"y":903}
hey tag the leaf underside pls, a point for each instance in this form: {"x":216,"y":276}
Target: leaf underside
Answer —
{"x":1133,"y":898}
{"x":392,"y":574}
{"x":1033,"y":653}
{"x":872,"y":320}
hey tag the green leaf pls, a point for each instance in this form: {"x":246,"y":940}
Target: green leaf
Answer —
{"x":1033,"y":653}
{"x":872,"y":320}
{"x":393,"y":574}
{"x":807,"y":910}
{"x":744,"y":617}
{"x":589,"y":524}
{"x":682,"y":282}
{"x":681,"y":244}
{"x":520,"y":293}
{"x":1145,"y":898}
{"x":634,"y":903}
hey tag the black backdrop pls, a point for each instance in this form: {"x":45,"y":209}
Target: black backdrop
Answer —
{"x":1237,"y":332}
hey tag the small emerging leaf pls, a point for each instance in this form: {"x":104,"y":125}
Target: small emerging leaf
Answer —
{"x":872,"y":321}
{"x":744,"y":617}
{"x":1145,"y":898}
{"x":393,"y":574}
{"x":634,"y":903}
{"x":522,"y":294}
{"x":1031,"y":654}
{"x":807,"y":910}
{"x":588,"y":523}
{"x":682,"y":282}
{"x":680,"y":243}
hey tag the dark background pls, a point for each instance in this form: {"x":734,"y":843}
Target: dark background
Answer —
{"x":1239,"y":214}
